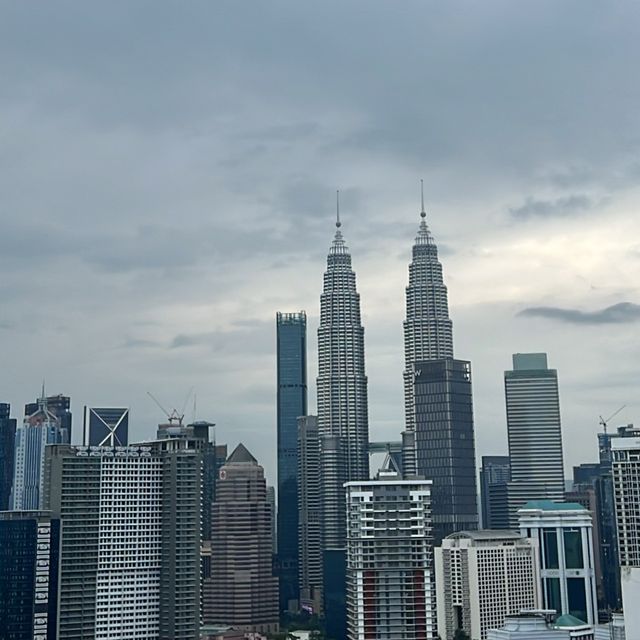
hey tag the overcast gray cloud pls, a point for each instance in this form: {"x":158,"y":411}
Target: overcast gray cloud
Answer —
{"x":168,"y":174}
{"x":566,"y":206}
{"x":615,"y":314}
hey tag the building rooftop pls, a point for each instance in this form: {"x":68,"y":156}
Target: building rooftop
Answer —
{"x":241,"y":454}
{"x":569,"y":621}
{"x":486,"y":534}
{"x":549,"y":505}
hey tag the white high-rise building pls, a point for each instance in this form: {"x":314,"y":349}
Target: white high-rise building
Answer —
{"x":343,"y":422}
{"x":625,"y":451}
{"x":564,"y":534}
{"x":389,"y":559}
{"x":534,"y":433}
{"x":130,"y":542}
{"x":481,"y":578}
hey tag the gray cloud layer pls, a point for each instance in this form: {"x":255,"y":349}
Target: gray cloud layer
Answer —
{"x":168,"y":172}
{"x":622,"y":312}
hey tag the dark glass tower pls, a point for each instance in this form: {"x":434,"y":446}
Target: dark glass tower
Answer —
{"x":495,"y":473}
{"x":7,"y":454}
{"x":291,"y":330}
{"x":445,"y":443}
{"x":29,"y":557}
{"x":106,"y":427}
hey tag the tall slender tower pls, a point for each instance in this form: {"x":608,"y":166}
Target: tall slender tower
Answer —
{"x":343,"y":423}
{"x":291,"y":331}
{"x":428,"y":330}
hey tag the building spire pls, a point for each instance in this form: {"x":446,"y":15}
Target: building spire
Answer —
{"x":338,"y":245}
{"x":424,"y":235}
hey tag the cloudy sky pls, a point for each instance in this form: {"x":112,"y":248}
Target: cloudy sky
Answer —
{"x":168,"y":174}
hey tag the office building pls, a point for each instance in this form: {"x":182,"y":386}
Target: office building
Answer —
{"x":495,"y":473}
{"x":106,"y":427}
{"x":534,"y":433}
{"x":428,"y":330}
{"x":38,"y":429}
{"x":481,"y":578}
{"x":130,"y":549}
{"x":310,"y":515}
{"x":242,"y":591}
{"x":7,"y":454}
{"x":343,"y":421}
{"x":29,"y":556}
{"x":390,"y":559}
{"x":625,"y":451}
{"x":445,"y":443}
{"x":213,"y":457}
{"x":59,"y":406}
{"x":564,"y":534}
{"x":291,"y":334}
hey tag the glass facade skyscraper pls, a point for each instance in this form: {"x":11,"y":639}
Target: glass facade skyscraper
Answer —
{"x":29,"y":557}
{"x":445,"y":443}
{"x":291,"y":330}
{"x":7,"y":454}
{"x":534,"y":432}
{"x":39,"y":428}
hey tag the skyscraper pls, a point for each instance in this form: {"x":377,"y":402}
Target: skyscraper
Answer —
{"x":390,"y":559}
{"x":60,"y":406}
{"x":106,"y":427}
{"x":291,"y":331}
{"x":7,"y":454}
{"x":481,"y":578}
{"x":428,"y":330}
{"x":310,"y":515}
{"x":494,"y":476}
{"x":29,"y":556}
{"x":130,"y":549}
{"x":564,"y":534}
{"x":39,"y":428}
{"x":445,"y":449}
{"x":343,"y":421}
{"x":534,"y":432}
{"x":625,"y":451}
{"x":242,"y":591}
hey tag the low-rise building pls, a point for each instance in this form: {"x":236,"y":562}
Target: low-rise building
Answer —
{"x":481,"y":578}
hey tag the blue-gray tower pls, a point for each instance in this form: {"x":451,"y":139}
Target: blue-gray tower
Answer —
{"x":291,"y":329}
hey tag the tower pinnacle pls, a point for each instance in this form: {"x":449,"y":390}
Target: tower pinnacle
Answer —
{"x":338,"y":223}
{"x":423,"y":213}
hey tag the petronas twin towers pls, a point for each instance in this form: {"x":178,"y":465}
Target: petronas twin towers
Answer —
{"x":342,"y":381}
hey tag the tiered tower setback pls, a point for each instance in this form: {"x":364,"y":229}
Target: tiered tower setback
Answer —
{"x":342,"y":389}
{"x":428,"y":330}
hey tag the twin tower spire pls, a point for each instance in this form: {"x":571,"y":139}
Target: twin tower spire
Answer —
{"x":342,"y":382}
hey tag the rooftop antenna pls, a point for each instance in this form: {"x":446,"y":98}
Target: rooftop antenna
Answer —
{"x":605,"y":423}
{"x":423,"y":213}
{"x":338,"y":223}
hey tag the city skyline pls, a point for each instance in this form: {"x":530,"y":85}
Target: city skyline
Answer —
{"x":177,"y":189}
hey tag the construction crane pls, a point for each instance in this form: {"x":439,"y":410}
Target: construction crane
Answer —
{"x":175,"y":416}
{"x":605,"y":423}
